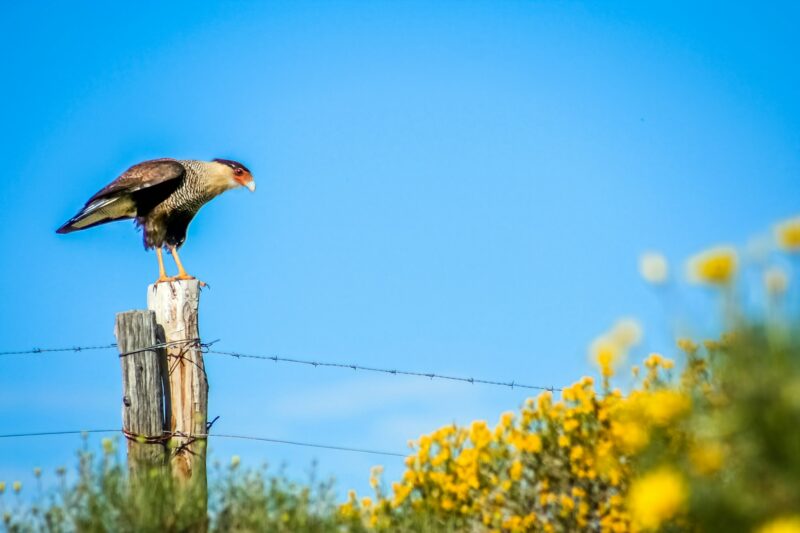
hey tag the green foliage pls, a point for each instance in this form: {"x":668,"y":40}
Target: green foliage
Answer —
{"x":104,"y":497}
{"x":740,"y":447}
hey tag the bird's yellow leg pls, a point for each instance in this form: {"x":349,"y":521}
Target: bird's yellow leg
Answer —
{"x":181,"y":271}
{"x":162,"y":274}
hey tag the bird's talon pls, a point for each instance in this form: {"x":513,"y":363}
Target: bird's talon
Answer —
{"x":182,"y":277}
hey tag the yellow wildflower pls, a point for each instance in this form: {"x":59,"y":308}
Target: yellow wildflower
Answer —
{"x":787,"y":233}
{"x":17,"y":486}
{"x":716,"y":266}
{"x":401,"y":492}
{"x":687,"y":345}
{"x":441,"y":457}
{"x":654,"y":268}
{"x":108,"y":446}
{"x":347,"y":510}
{"x":479,"y":434}
{"x":576,"y":453}
{"x":567,"y":503}
{"x":706,"y":458}
{"x":531,"y":443}
{"x":513,"y":523}
{"x":543,"y":402}
{"x":626,"y":333}
{"x":656,"y":498}
{"x":528,"y":521}
{"x":631,"y":436}
{"x":785,"y":524}
{"x":653,"y":361}
{"x":662,"y":406}
{"x":606,"y":354}
{"x":515,"y":472}
{"x":570,"y":424}
{"x":375,"y":476}
{"x":2,"y":487}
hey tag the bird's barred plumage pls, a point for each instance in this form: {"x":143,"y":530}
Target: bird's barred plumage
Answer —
{"x":162,"y":195}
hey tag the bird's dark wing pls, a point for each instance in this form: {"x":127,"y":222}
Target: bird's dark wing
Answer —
{"x":136,"y":191}
{"x":142,"y":176}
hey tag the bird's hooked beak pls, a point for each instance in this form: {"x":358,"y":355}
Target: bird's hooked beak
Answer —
{"x":245,"y":179}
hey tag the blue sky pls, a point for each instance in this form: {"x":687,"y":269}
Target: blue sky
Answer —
{"x":454,"y":187}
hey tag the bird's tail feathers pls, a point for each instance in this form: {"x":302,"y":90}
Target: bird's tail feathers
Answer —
{"x":100,"y":211}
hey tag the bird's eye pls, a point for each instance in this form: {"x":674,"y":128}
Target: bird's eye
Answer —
{"x":238,"y":171}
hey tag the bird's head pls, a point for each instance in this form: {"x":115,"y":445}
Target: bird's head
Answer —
{"x":236,"y":174}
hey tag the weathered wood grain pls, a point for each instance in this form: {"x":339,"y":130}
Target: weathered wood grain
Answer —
{"x":176,"y":306}
{"x":142,"y":394}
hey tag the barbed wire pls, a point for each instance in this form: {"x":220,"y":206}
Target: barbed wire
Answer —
{"x":49,"y":433}
{"x":214,"y":435}
{"x":306,"y":444}
{"x":430,"y":375}
{"x":48,"y":350}
{"x":34,"y":351}
{"x":207,"y":348}
{"x":159,"y":345}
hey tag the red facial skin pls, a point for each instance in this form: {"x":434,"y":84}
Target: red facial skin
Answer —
{"x":242,"y":176}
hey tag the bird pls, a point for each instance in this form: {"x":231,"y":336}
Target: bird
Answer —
{"x":162,"y":196}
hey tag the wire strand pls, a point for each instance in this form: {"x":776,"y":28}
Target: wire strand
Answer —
{"x":49,"y":433}
{"x":214,"y":435}
{"x":49,"y":350}
{"x":160,"y":345}
{"x":206,"y":348}
{"x":306,"y":444}
{"x":430,"y":375}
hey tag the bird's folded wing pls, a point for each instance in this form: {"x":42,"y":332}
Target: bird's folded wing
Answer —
{"x":142,"y":176}
{"x":137,"y":190}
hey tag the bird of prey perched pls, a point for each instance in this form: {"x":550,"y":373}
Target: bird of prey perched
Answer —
{"x":162,"y":195}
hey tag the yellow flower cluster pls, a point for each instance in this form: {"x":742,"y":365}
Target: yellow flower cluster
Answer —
{"x":717,"y":266}
{"x":555,"y":466}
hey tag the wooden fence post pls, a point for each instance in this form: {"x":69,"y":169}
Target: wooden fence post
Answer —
{"x":142,"y":394}
{"x":176,"y":308}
